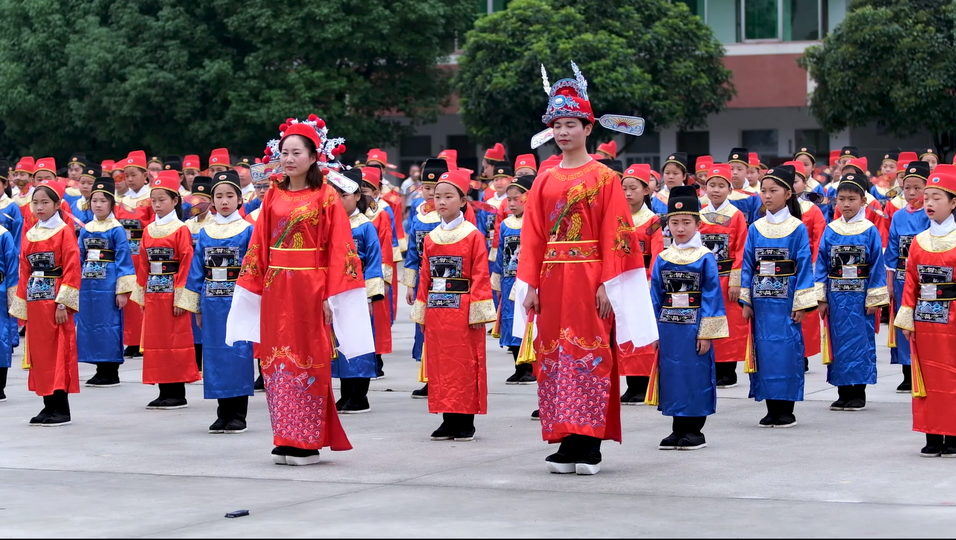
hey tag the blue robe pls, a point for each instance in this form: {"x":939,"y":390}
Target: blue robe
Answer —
{"x":504,"y":273}
{"x":252,"y":206}
{"x":848,"y":250}
{"x":227,"y":371}
{"x":688,"y":384}
{"x":12,"y":220}
{"x":370,"y":253}
{"x":905,"y":226}
{"x":773,"y":295}
{"x":81,"y":210}
{"x":10,"y":276}
{"x":419,"y":227}
{"x":99,"y":323}
{"x":749,"y":204}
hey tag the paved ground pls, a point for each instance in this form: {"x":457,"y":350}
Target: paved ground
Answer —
{"x":121,"y":470}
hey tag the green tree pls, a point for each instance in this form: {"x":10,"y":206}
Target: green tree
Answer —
{"x":177,"y":76}
{"x":892,"y":62}
{"x":648,"y":58}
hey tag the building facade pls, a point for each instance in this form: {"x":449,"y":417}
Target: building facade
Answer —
{"x":769,"y":115}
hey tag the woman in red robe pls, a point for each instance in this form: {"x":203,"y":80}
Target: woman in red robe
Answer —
{"x":169,"y":358}
{"x":454,"y":303}
{"x":928,"y":320}
{"x":580,"y":263}
{"x":301,"y":270}
{"x":48,"y":294}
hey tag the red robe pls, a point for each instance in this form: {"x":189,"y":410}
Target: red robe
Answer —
{"x":816,"y":224}
{"x":301,"y":253}
{"x":876,"y":216}
{"x":453,"y":360}
{"x":29,"y":220}
{"x":637,"y":362}
{"x":934,"y":331}
{"x":576,"y":235}
{"x":382,"y":311}
{"x":730,"y":230}
{"x":394,"y":199}
{"x":135,"y":215}
{"x":50,"y":347}
{"x":893,"y":205}
{"x":167,"y":340}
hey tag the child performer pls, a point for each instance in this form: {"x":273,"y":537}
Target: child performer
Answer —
{"x":228,"y":370}
{"x":9,"y":277}
{"x":927,"y":318}
{"x":421,"y":222}
{"x":686,"y":291}
{"x":779,"y":289}
{"x":816,"y":223}
{"x":636,"y":363}
{"x":506,"y":266}
{"x":169,"y":358}
{"x":453,"y":304}
{"x":108,"y":279}
{"x":134,"y":212}
{"x":907,"y":223}
{"x":851,"y":287}
{"x":745,"y":201}
{"x":199,"y":206}
{"x":383,"y":218}
{"x":898,"y":202}
{"x":48,"y":294}
{"x":356,"y":372}
{"x":80,"y":208}
{"x":673,"y":174}
{"x":723,"y":230}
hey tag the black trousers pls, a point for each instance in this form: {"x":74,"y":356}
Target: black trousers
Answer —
{"x":458,"y":420}
{"x":108,"y":369}
{"x":3,"y":379}
{"x":58,"y":402}
{"x":233,"y":408}
{"x":172,"y":390}
{"x":854,"y":391}
{"x":682,"y":425}
{"x":354,"y":389}
{"x":777,"y":407}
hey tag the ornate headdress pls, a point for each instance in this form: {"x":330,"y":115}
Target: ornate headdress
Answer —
{"x":313,"y":128}
{"x":568,"y":98}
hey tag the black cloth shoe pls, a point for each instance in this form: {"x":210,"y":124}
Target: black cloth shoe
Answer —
{"x":726,"y":374}
{"x":104,"y":381}
{"x":40,"y":417}
{"x":95,"y":380}
{"x":806,"y":364}
{"x":527,"y":378}
{"x":443,"y":433}
{"x":949,"y":447}
{"x":855,"y":404}
{"x":421,"y":393}
{"x":513,"y":379}
{"x":155,"y":403}
{"x":345,"y":391}
{"x":168,"y":404}
{"x":236,"y":425}
{"x":636,"y":390}
{"x":906,"y":386}
{"x":692,"y":441}
{"x":56,"y":418}
{"x":219,"y":426}
{"x":670,"y":442}
{"x":535,"y":415}
{"x":132,"y":351}
{"x":465,"y":434}
{"x":766,"y":421}
{"x":379,"y":365}
{"x":786,"y":420}
{"x":838,"y":405}
{"x":3,"y":383}
{"x":934,"y":446}
{"x":300,"y":456}
{"x":559,"y":463}
{"x":356,"y":405}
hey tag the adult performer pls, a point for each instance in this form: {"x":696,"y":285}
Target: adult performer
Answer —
{"x":580,"y":260}
{"x":301,"y":273}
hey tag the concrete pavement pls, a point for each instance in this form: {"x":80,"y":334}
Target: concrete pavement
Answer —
{"x":122,"y":470}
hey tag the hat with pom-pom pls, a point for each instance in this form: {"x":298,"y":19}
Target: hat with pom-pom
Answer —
{"x":313,"y":129}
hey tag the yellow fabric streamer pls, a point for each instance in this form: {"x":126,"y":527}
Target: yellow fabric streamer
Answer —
{"x":422,"y":374}
{"x":825,"y":345}
{"x":335,"y":348}
{"x":750,"y":359}
{"x":496,"y":329}
{"x":25,"y":360}
{"x":919,"y":389}
{"x":652,"y":397}
{"x":891,"y":338}
{"x":526,"y":352}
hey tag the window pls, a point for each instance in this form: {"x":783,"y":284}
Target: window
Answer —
{"x":781,"y":20}
{"x":416,"y":146}
{"x":643,"y":149}
{"x":761,"y":141}
{"x":816,"y":138}
{"x":694,"y":143}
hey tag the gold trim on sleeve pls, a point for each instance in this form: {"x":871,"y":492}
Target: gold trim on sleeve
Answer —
{"x":877,"y":297}
{"x":403,"y":244}
{"x":904,"y":319}
{"x":734,"y":280}
{"x":18,"y":306}
{"x":418,"y":312}
{"x":409,"y":277}
{"x":745,"y":295}
{"x":805,"y":299}
{"x":138,"y":295}
{"x":397,"y":254}
{"x":186,"y":299}
{"x":375,"y":287}
{"x":481,"y":312}
{"x":820,"y":290}
{"x":713,"y":328}
{"x":125,"y":284}
{"x":69,"y":297}
{"x":387,"y":274}
{"x":493,"y":254}
{"x":496,"y":281}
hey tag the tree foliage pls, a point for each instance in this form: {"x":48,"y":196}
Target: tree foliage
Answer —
{"x":892,"y":62}
{"x":177,"y":76}
{"x":650,"y":58}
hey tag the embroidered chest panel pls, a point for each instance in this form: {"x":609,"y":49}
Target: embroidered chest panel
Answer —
{"x":42,"y":282}
{"x":682,"y":297}
{"x":848,"y":268}
{"x":719,"y":245}
{"x":420,"y":241}
{"x":161,"y":275}
{"x":773,"y":271}
{"x":134,"y":233}
{"x":904,"y":252}
{"x":936,"y":293}
{"x":447,"y":281}
{"x":222,"y":265}
{"x":511,"y":246}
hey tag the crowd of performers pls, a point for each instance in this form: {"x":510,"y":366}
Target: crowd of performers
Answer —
{"x":204,"y":273}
